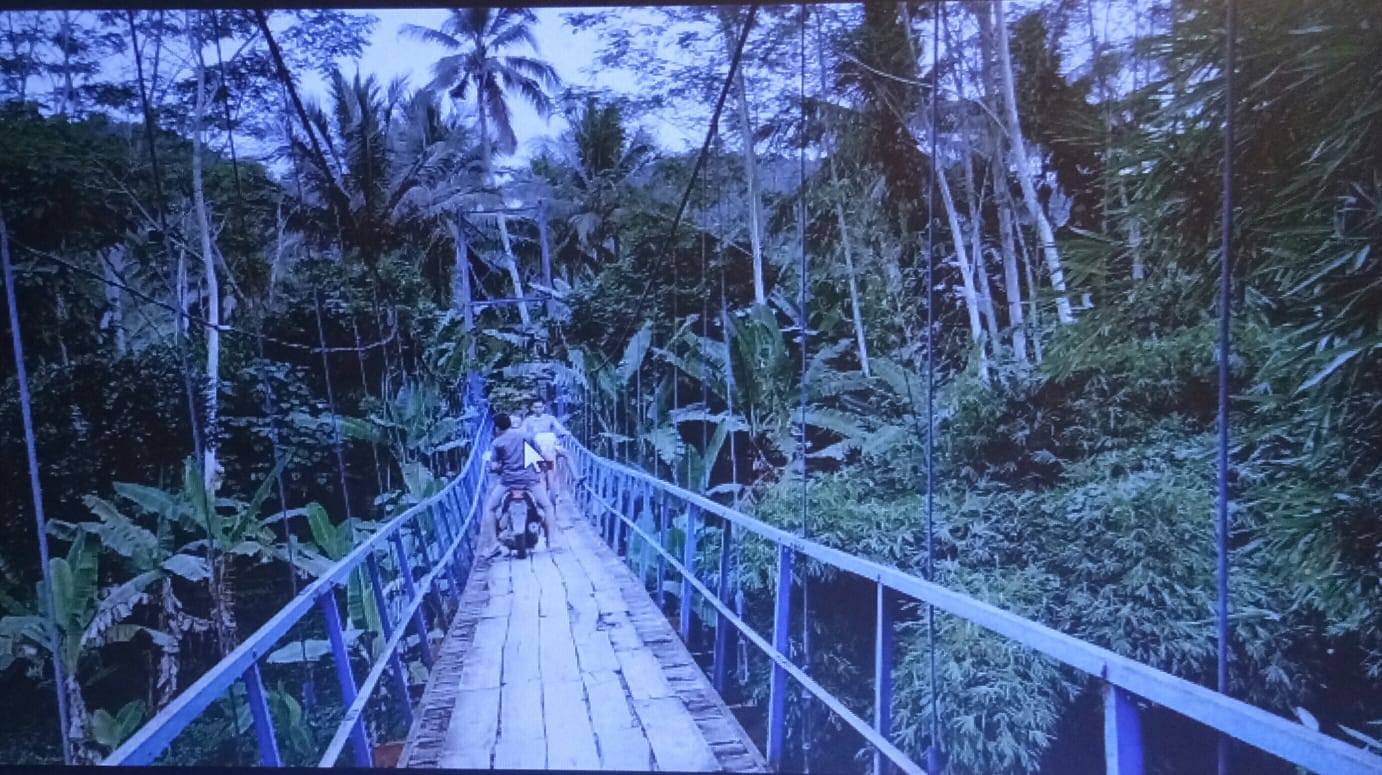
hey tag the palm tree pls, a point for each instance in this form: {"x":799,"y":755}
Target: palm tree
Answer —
{"x":478,"y":36}
{"x":593,"y":177}
{"x":385,"y":150}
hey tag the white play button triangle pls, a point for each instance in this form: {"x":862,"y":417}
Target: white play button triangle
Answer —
{"x":530,"y":456}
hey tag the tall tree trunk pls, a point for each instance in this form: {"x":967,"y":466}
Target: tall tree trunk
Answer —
{"x":1031,"y":290}
{"x":1139,"y":271}
{"x":213,"y":289}
{"x":183,"y":302}
{"x":838,"y":197}
{"x":855,"y":312}
{"x":957,"y":236}
{"x":741,"y":96}
{"x":512,"y":263}
{"x":461,"y":295}
{"x":487,"y":159}
{"x":1012,"y":283}
{"x":976,"y":244}
{"x":113,"y":267}
{"x":1017,"y":148}
{"x":65,"y":43}
{"x":222,"y":600}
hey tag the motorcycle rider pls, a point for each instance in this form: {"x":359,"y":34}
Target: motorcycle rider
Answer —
{"x":545,"y":430}
{"x":507,"y":462}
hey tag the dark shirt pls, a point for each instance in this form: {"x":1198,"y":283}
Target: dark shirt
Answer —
{"x":508,"y":456}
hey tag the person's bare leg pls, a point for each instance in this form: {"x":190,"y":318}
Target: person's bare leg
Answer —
{"x":489,"y":539}
{"x":553,"y":483}
{"x":548,"y":512}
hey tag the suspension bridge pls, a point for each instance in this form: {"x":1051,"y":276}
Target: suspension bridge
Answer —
{"x":565,"y":660}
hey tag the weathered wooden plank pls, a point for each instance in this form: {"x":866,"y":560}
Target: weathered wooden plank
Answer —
{"x":580,"y":596}
{"x":567,"y":720}
{"x":620,"y":736}
{"x":484,"y":660}
{"x":622,"y":633}
{"x":496,"y":607}
{"x":584,"y":616}
{"x":674,"y":737}
{"x":572,"y":573}
{"x":521,"y":651}
{"x":521,"y":639}
{"x":643,"y":675}
{"x":556,"y":652}
{"x":499,"y":577}
{"x":473,"y":730}
{"x":522,"y":743}
{"x":595,"y":654}
{"x":551,"y":589}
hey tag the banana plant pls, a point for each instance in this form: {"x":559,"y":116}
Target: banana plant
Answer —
{"x":86,"y":618}
{"x":331,"y":543}
{"x":414,"y":423}
{"x":232,"y":529}
{"x":148,"y":552}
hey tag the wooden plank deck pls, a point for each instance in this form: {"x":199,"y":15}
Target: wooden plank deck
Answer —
{"x":562,"y":661}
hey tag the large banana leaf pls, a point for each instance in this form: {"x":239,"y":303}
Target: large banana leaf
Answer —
{"x":110,"y":731}
{"x":634,"y":353}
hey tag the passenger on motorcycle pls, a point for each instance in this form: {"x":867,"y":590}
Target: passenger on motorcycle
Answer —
{"x":545,"y":430}
{"x":507,"y":462}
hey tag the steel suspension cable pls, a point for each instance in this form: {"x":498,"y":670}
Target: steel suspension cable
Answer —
{"x":933,"y":752}
{"x":741,"y":653}
{"x":55,"y":638}
{"x":161,"y":210}
{"x":270,"y":412}
{"x":331,"y":404}
{"x":364,"y":388}
{"x":737,"y":540}
{"x":1225,"y":287}
{"x":803,"y":299}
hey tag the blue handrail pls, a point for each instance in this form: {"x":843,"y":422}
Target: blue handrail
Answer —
{"x":453,"y":511}
{"x":603,"y":482}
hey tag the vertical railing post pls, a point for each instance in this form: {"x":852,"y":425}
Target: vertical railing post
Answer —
{"x":689,"y":562}
{"x":665,"y":513}
{"x":626,"y":502}
{"x":400,"y":678}
{"x":344,"y":675}
{"x":1122,"y":733}
{"x":882,"y":679}
{"x":423,"y":543}
{"x":722,"y":625}
{"x":646,"y":508}
{"x":444,"y":532}
{"x":617,"y":504}
{"x":419,"y":623}
{"x":263,"y":722}
{"x":777,"y":685}
{"x":606,"y":498}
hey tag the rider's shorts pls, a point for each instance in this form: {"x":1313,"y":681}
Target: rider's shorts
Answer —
{"x":546,"y":445}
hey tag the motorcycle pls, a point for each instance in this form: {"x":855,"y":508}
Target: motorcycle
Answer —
{"x":523,"y":539}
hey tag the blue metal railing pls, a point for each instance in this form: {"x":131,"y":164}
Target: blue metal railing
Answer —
{"x":446,"y":521}
{"x":609,"y":490}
